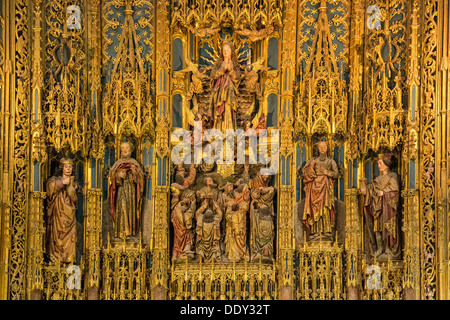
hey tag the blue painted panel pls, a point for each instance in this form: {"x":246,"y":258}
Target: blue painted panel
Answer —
{"x":288,"y":171}
{"x":350,"y":171}
{"x":145,"y":157}
{"x":413,"y":107}
{"x":164,"y":171}
{"x":272,"y":54}
{"x":412,"y":174}
{"x":112,"y":159}
{"x":159,"y":171}
{"x":94,"y":106}
{"x":272,"y":110}
{"x":36,"y":181}
{"x":368,"y":170}
{"x":376,"y":171}
{"x":36,"y":103}
{"x":93,"y":173}
{"x":177,"y":111}
{"x":177,"y":57}
{"x":355,"y":173}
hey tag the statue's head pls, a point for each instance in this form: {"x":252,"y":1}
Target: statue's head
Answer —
{"x":66,"y":166}
{"x":228,"y":187}
{"x":322,"y":147}
{"x":209,"y":181}
{"x":179,"y":178}
{"x":126,"y":148}
{"x":227,"y":50}
{"x":265,"y":177}
{"x":387,"y":162}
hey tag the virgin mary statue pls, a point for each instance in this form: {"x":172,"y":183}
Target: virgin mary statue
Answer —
{"x":225,"y":78}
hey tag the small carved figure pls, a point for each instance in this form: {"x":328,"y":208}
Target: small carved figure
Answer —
{"x":196,"y":86}
{"x":236,"y":224}
{"x":182,"y":217}
{"x":208,"y":232}
{"x":255,"y":35}
{"x":262,"y":232}
{"x":61,"y":221}
{"x":318,"y":176}
{"x":381,"y":199}
{"x":251,"y":77}
{"x":429,"y":173}
{"x":203,"y":32}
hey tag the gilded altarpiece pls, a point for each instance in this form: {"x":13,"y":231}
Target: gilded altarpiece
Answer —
{"x":93,"y":92}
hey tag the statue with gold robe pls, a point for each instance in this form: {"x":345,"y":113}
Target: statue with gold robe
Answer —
{"x":236,"y":224}
{"x":182,"y":221}
{"x":381,"y":200}
{"x":125,"y":195}
{"x":318,"y":176}
{"x":208,"y":218}
{"x":262,"y":232}
{"x":225,"y":78}
{"x":183,"y":207}
{"x":61,"y":221}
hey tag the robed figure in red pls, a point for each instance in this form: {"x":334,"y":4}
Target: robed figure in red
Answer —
{"x":381,"y":199}
{"x":125,"y":195}
{"x":319,"y":213}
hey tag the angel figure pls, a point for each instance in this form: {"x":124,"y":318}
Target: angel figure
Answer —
{"x":255,"y":35}
{"x":251,"y":77}
{"x":203,"y":32}
{"x":195,"y":88}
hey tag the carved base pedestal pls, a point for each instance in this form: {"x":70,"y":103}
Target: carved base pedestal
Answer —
{"x":320,"y":271}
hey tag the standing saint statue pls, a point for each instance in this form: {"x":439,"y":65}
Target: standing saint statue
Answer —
{"x":318,"y":176}
{"x":262,"y":232}
{"x":236,"y":224}
{"x":208,"y":218}
{"x":183,"y":207}
{"x":225,"y":78}
{"x":125,"y":195}
{"x":61,"y":221}
{"x":381,"y":199}
{"x":182,"y":217}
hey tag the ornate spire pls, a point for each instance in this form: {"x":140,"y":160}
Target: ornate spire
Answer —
{"x":322,"y":51}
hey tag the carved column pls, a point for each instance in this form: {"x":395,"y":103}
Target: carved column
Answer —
{"x":6,"y":134}
{"x":285,"y":242}
{"x":410,"y":159}
{"x":161,"y":210}
{"x":353,"y":226}
{"x":36,"y":228}
{"x":442,"y":140}
{"x":20,"y":115}
{"x":93,"y":214}
{"x":427,"y":148}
